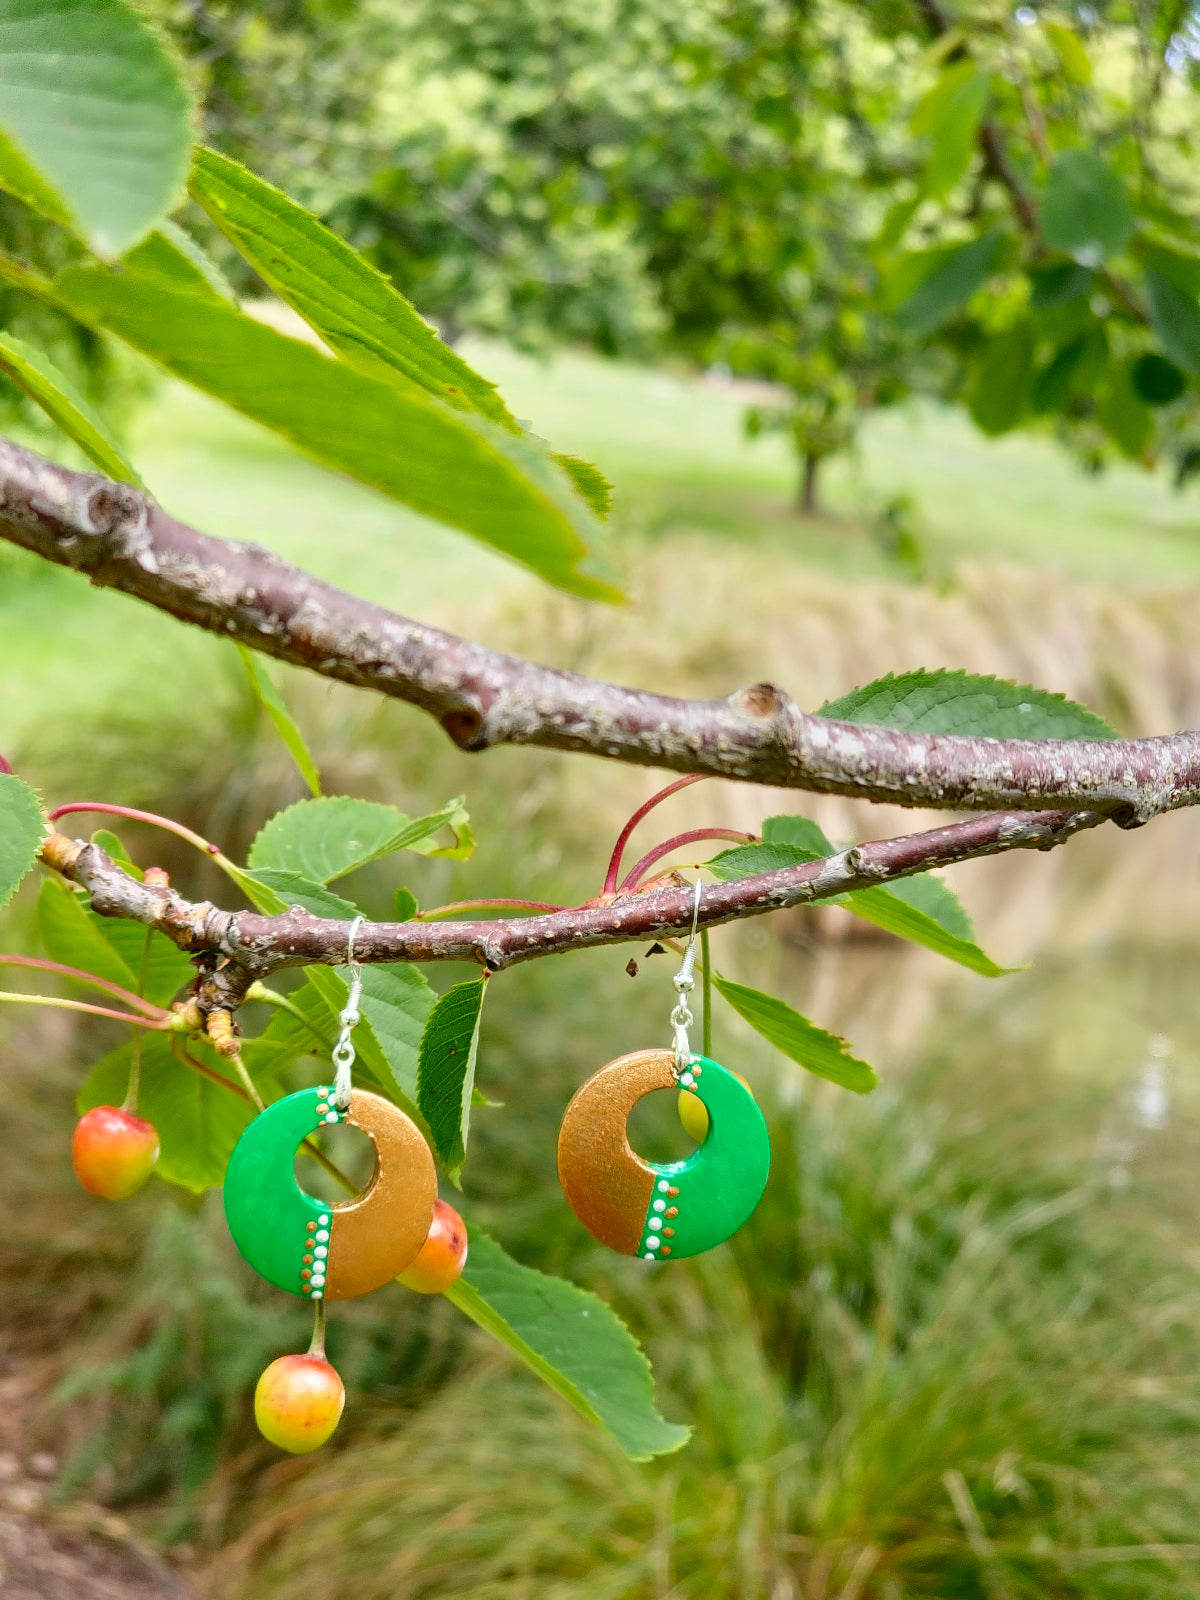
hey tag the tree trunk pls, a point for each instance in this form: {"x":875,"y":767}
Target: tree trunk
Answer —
{"x":808,"y":498}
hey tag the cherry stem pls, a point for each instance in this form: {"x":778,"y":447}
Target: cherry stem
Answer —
{"x":706,"y":975}
{"x":132,"y":815}
{"x":88,"y":978}
{"x":134,"y":1085}
{"x":456,"y":906}
{"x":206,"y":1071}
{"x":6,"y":995}
{"x":317,"y":1343}
{"x":680,"y":839}
{"x":614,"y":865}
{"x":252,"y":1094}
{"x":5,"y":767}
{"x":272,"y":997}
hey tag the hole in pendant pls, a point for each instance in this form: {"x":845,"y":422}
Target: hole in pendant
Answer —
{"x":663,"y":1128}
{"x":349,"y":1149}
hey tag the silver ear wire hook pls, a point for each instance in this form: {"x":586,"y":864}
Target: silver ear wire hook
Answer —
{"x":685,"y":982}
{"x":343,"y":1050}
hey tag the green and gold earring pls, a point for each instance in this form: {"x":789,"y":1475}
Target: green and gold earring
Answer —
{"x":320,"y":1251}
{"x":664,"y":1210}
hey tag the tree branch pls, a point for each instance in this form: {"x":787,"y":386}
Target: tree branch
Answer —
{"x":122,"y":540}
{"x":254,"y":945}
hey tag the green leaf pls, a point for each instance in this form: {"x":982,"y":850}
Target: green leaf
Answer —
{"x":287,"y":1037}
{"x":1177,"y":260}
{"x":1057,"y":379}
{"x":456,"y":466}
{"x":64,"y":405}
{"x":273,"y":704}
{"x":1085,"y":211}
{"x":949,"y":116}
{"x":446,"y":1072}
{"x":1058,"y":284}
{"x":404,"y":905}
{"x":950,"y":276}
{"x":961,"y":703}
{"x":272,"y":890}
{"x":572,"y":1341}
{"x":1003,"y":386}
{"x":927,"y":912}
{"x":92,"y":102}
{"x":1070,"y":51}
{"x":22,"y":829}
{"x":354,"y":308}
{"x":590,"y":481}
{"x":1156,"y":380}
{"x":326,"y":838}
{"x":109,"y":947}
{"x":1124,"y":415}
{"x":800,"y":832}
{"x":801,"y":1041}
{"x":453,"y":816}
{"x":197,"y":1121}
{"x":895,"y":225}
{"x":748,"y":860}
{"x":19,"y":178}
{"x":397,"y":1001}
{"x":108,"y":841}
{"x":922,"y":908}
{"x":173,"y":257}
{"x":71,"y":935}
{"x":1176,"y":318}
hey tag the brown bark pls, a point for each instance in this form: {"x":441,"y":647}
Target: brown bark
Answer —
{"x":253,"y":945}
{"x":810,"y":502}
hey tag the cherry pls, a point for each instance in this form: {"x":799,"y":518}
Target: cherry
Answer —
{"x":298,"y":1403}
{"x":113,"y":1151}
{"x":440,"y":1260}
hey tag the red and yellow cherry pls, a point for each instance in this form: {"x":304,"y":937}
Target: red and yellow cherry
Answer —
{"x":693,"y":1113}
{"x":113,"y":1151}
{"x":440,"y":1260}
{"x":298,"y":1403}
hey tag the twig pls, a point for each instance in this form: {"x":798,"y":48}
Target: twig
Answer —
{"x":634,"y":876}
{"x":614,"y":865}
{"x":9,"y":997}
{"x":38,"y":964}
{"x":254,"y":945}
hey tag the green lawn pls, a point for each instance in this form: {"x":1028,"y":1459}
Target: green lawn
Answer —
{"x":675,"y":447}
{"x":675,"y":451}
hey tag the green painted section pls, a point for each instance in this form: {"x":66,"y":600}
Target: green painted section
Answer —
{"x":265,"y":1207}
{"x":721,"y":1182}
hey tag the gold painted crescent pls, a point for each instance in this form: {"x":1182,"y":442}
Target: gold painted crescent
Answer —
{"x":607,"y":1185}
{"x":373,"y":1237}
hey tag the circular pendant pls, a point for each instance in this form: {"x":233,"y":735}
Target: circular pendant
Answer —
{"x":307,"y":1246}
{"x":662,"y":1209}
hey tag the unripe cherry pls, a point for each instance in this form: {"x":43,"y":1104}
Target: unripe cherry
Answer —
{"x":693,"y":1113}
{"x":113,"y":1151}
{"x":298,"y":1403}
{"x":442,"y":1257}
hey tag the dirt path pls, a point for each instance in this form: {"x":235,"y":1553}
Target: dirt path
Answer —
{"x":51,"y":1551}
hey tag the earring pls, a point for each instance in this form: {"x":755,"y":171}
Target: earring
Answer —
{"x":305,"y":1245}
{"x":661,"y":1210}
